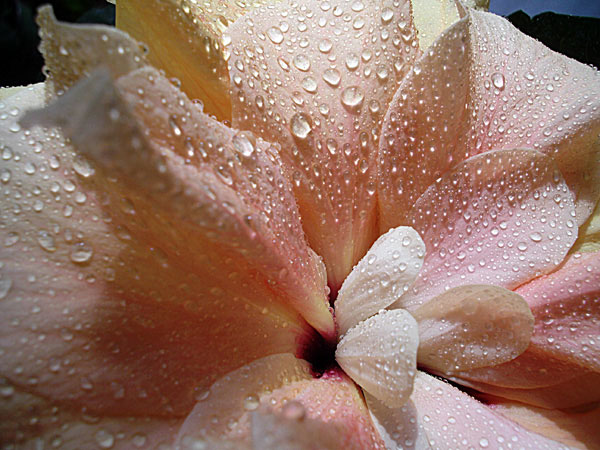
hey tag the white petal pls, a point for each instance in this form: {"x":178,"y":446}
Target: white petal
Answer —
{"x":400,"y":428}
{"x":387,"y":271}
{"x":473,"y":326}
{"x":380,"y":355}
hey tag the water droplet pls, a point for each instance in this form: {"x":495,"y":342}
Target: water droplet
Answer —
{"x":352,"y":61}
{"x":251,"y":402}
{"x":332,"y":77}
{"x":535,"y":236}
{"x":275,"y":35}
{"x":498,"y":80}
{"x":301,"y":62}
{"x":243,"y":145}
{"x":309,"y":84}
{"x":105,"y":439}
{"x":82,"y":167}
{"x":5,"y":285}
{"x":81,"y":253}
{"x":325,"y":45}
{"x":46,"y":241}
{"x":300,"y":125}
{"x":352,"y":97}
{"x":387,"y":14}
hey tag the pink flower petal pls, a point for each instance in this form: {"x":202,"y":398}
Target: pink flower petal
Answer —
{"x":566,"y":306}
{"x":500,"y":218}
{"x":31,"y":421}
{"x":472,"y":326}
{"x":452,"y":419}
{"x":317,"y":78}
{"x":577,"y":429}
{"x":73,"y":51}
{"x":582,"y":389}
{"x":279,"y":390}
{"x":129,"y":282}
{"x":483,"y":85}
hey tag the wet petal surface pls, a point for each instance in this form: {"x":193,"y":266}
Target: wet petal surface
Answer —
{"x":452,"y":419}
{"x":316,"y":77}
{"x":472,"y":326}
{"x":380,"y":354}
{"x":482,"y":86}
{"x":385,"y":273}
{"x":500,"y":218}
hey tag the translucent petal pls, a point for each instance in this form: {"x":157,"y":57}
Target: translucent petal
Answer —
{"x":386,"y":272}
{"x":316,"y":77}
{"x":379,"y":354}
{"x":499,"y":218}
{"x":453,"y":419}
{"x":483,"y":85}
{"x":472,"y":326}
{"x":73,"y":51}
{"x":111,"y":301}
{"x":431,"y":17}
{"x":401,"y":428}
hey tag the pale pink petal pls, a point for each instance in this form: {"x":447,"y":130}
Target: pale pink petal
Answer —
{"x":334,"y":400}
{"x":582,"y":389}
{"x":453,"y":419}
{"x":483,"y":85}
{"x":577,"y":429}
{"x":380,"y":355}
{"x":73,"y":51}
{"x":472,"y":326}
{"x":386,"y":272}
{"x":566,"y":306}
{"x":533,"y":369}
{"x":500,"y":218}
{"x":316,"y":77}
{"x":400,"y":428}
{"x":113,"y":299}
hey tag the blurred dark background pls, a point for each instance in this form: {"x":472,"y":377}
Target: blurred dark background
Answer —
{"x":562,"y":30}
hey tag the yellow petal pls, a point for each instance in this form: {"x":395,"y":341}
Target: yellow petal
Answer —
{"x":431,"y":17}
{"x":589,"y":234}
{"x":184,"y":39}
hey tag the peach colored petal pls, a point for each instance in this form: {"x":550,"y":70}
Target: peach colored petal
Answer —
{"x":316,"y":77}
{"x":30,"y":421}
{"x":452,"y":419}
{"x":386,"y":272}
{"x":185,"y":39}
{"x":589,"y":234}
{"x":111,"y":301}
{"x":472,"y":326}
{"x":566,"y":306}
{"x":380,"y":355}
{"x":577,"y":429}
{"x":243,"y":194}
{"x":483,"y":85}
{"x":332,"y":399}
{"x":582,"y":389}
{"x":534,"y":368}
{"x":222,"y":410}
{"x":500,"y":218}
{"x":73,"y":51}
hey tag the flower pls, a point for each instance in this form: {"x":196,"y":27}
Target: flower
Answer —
{"x":157,"y":286}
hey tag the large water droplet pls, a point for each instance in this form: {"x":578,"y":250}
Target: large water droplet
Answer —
{"x":352,"y":97}
{"x":300,"y":125}
{"x":275,"y":35}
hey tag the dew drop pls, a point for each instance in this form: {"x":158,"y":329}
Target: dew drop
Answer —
{"x":301,"y":62}
{"x":352,"y":97}
{"x":81,"y":253}
{"x":332,"y":77}
{"x":275,"y":35}
{"x":498,"y":80}
{"x":300,"y":125}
